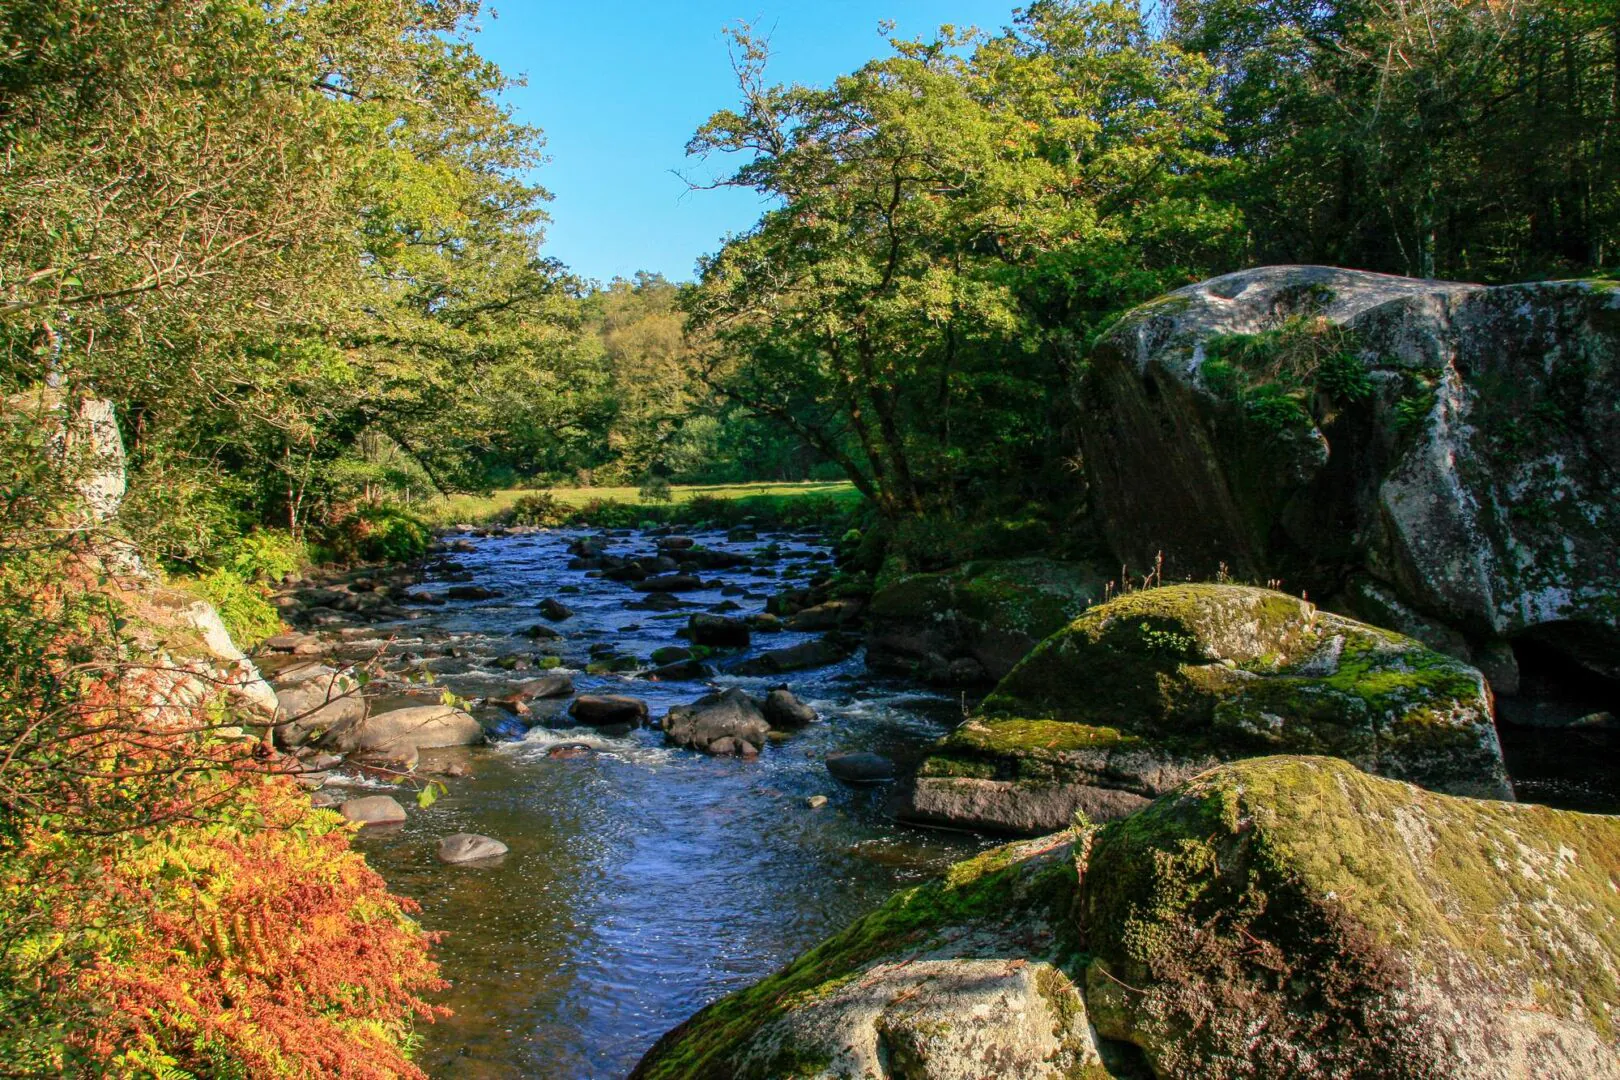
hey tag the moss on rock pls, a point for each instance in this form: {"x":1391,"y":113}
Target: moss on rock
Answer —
{"x":1297,"y":917}
{"x":1232,"y":671}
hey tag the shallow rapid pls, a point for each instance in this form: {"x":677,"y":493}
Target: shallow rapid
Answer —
{"x":643,"y":881}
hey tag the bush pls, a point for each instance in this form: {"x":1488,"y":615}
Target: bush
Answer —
{"x":541,"y":508}
{"x":608,"y":514}
{"x":269,"y":555}
{"x":244,"y":607}
{"x":380,"y":534}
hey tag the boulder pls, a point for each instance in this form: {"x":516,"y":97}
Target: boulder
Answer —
{"x":1455,"y":442}
{"x":296,"y":644}
{"x":549,"y":686}
{"x":373,"y":810}
{"x":785,"y":712}
{"x":1275,"y":917}
{"x":990,"y":613}
{"x":860,"y":767}
{"x":421,"y":727}
{"x":461,"y":848}
{"x":811,"y":654}
{"x":608,"y":710}
{"x":947,"y":980}
{"x":718,"y":632}
{"x":318,"y":700}
{"x":720,"y":723}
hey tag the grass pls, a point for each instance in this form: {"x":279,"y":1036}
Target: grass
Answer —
{"x":483,"y":509}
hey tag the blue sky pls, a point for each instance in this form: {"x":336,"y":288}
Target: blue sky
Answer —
{"x":618,"y":89}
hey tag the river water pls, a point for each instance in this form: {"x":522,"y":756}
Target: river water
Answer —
{"x":644,"y":882}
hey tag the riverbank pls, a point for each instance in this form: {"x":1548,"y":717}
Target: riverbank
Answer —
{"x":767,"y":500}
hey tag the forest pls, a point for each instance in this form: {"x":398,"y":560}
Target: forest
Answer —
{"x":297,"y":249}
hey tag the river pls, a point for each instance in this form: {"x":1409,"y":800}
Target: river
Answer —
{"x":644,"y":882}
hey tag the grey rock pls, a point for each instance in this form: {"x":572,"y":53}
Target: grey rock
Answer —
{"x":860,"y":767}
{"x":608,"y":710}
{"x":373,"y":810}
{"x":727,"y":722}
{"x":461,"y":848}
{"x":786,"y":712}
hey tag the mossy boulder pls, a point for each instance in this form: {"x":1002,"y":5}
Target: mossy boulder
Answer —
{"x":1141,"y":693}
{"x":1305,"y":423}
{"x":974,"y":623}
{"x":1281,"y":917}
{"x":1295,"y":917}
{"x":961,"y":978}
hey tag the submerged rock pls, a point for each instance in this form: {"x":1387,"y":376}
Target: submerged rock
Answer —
{"x":1277,"y":917}
{"x":1453,"y":441}
{"x":461,"y":848}
{"x":811,"y":654}
{"x":786,"y":712}
{"x":718,"y":632}
{"x":608,"y":710}
{"x":860,"y":767}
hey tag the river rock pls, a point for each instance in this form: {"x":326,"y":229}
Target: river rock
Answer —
{"x":1275,"y":917}
{"x":1227,"y":671}
{"x":315,"y":701}
{"x":860,"y":767}
{"x":373,"y":810}
{"x":669,"y":654}
{"x":718,"y":632}
{"x":555,"y":610}
{"x":422,"y":727}
{"x":786,"y":712}
{"x":541,"y":632}
{"x":676,"y":543}
{"x":472,"y":592}
{"x":608,"y":710}
{"x":681,"y":671}
{"x":461,"y":848}
{"x":974,"y":623}
{"x":725,"y":722}
{"x":1140,"y":694}
{"x":1455,"y":442}
{"x":297,"y":644}
{"x":548,"y":686}
{"x":811,"y":654}
{"x":828,"y":616}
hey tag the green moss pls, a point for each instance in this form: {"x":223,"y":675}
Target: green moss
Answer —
{"x":1035,"y":597}
{"x":1307,"y":891}
{"x":1002,"y":887}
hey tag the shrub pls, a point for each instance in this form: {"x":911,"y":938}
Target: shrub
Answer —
{"x":244,"y":607}
{"x":540,"y":508}
{"x":265,"y":555}
{"x":380,"y":534}
{"x":608,"y":514}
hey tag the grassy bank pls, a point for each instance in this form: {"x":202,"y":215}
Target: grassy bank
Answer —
{"x":610,"y":505}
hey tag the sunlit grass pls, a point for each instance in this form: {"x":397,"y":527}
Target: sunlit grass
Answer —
{"x":477,"y":509}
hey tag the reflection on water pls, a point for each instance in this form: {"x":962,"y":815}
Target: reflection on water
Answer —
{"x":643,"y":882}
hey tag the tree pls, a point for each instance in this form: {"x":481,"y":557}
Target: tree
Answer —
{"x":937,"y":213}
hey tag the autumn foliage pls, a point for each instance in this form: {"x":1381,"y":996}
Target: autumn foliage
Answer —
{"x":170,"y":904}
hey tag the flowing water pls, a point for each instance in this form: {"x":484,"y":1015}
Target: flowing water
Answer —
{"x":644,"y":882}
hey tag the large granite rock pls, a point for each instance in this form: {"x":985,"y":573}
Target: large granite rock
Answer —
{"x":1280,"y":918}
{"x":1150,"y":689}
{"x":314,"y":700}
{"x":974,"y":623}
{"x":1454,"y":441}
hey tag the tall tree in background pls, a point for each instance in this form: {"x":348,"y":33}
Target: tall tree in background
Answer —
{"x":1464,"y":138}
{"x":930,"y":207}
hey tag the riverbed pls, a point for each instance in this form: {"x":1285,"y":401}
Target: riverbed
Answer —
{"x":643,"y":881}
